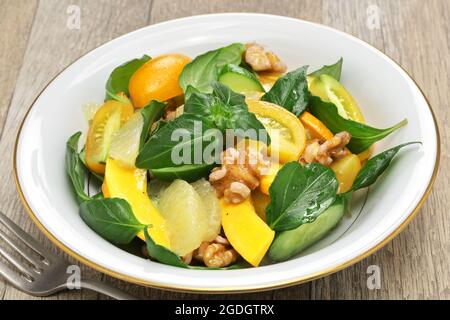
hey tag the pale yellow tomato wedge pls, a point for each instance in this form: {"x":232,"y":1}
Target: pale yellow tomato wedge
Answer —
{"x":107,"y":120}
{"x":130,"y":184}
{"x":346,"y":170}
{"x":249,"y":235}
{"x":288,"y":138}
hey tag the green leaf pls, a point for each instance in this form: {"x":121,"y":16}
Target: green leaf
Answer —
{"x":204,"y":69}
{"x":290,"y":91}
{"x":120,"y":78}
{"x":363,"y":136}
{"x":333,"y":70}
{"x":222,"y":109}
{"x":300,"y":194}
{"x":375,"y":168}
{"x":162,"y":254}
{"x":165,"y":256}
{"x":151,"y":113}
{"x":112,"y":219}
{"x":75,"y":168}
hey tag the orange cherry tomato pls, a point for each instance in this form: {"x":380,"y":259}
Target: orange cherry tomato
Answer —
{"x":157,"y":79}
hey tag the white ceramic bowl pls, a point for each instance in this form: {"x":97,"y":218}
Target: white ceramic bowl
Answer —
{"x":384,"y":91}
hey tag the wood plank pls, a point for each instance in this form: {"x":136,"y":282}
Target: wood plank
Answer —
{"x":52,"y":46}
{"x":16,"y":26}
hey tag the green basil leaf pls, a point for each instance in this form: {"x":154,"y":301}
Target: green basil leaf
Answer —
{"x":165,"y":256}
{"x":290,"y":91}
{"x":160,"y":149}
{"x":112,"y":219}
{"x":375,"y":167}
{"x":151,"y":113}
{"x":363,"y":136}
{"x":222,"y":109}
{"x":204,"y":69}
{"x":75,"y":168}
{"x":300,"y":194}
{"x":162,"y":254}
{"x":120,"y":78}
{"x":333,"y":70}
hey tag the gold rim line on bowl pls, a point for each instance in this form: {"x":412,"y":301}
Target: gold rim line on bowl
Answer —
{"x":278,"y":285}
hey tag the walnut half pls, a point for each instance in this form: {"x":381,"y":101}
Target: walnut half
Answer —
{"x":328,"y":151}
{"x":216,"y":254}
{"x":260,"y":60}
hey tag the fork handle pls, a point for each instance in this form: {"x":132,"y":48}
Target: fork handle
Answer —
{"x":106,"y":289}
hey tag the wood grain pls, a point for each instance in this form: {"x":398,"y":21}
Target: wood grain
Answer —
{"x":415,"y":33}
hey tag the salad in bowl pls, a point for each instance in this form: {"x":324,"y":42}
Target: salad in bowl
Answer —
{"x":223,"y":161}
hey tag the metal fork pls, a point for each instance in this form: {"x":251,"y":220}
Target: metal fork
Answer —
{"x":42,"y":276}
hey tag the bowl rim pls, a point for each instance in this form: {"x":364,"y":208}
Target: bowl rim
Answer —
{"x":255,"y":288}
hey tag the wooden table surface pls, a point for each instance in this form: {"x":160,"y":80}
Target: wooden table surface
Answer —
{"x":35,"y":44}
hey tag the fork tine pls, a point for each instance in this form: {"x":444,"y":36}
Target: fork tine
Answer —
{"x":11,"y":276}
{"x":36,"y":262}
{"x":23,"y":268}
{"x":22,"y":235}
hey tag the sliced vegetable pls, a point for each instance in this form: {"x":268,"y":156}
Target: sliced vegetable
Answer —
{"x":333,"y":70}
{"x":268,"y":79}
{"x":120,"y":78}
{"x":316,"y":127}
{"x":130,"y":184}
{"x":107,"y":121}
{"x":188,"y":172}
{"x":363,"y":136}
{"x":268,"y":177}
{"x":346,"y":170}
{"x":330,"y":90}
{"x":112,"y":219}
{"x":157,"y":79}
{"x":287,"y":244}
{"x":186,"y":216}
{"x":247,"y":233}
{"x":375,"y":167}
{"x":75,"y":168}
{"x":300,"y":194}
{"x":290,"y":91}
{"x":285,"y":129}
{"x":204,"y":69}
{"x":239,"y":79}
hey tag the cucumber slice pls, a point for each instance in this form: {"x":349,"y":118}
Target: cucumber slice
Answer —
{"x":289,"y":243}
{"x":188,"y":172}
{"x":239,"y":79}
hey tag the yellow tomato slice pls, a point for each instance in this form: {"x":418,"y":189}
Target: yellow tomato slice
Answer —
{"x":287,"y":133}
{"x":130,"y":184}
{"x":331,"y":90}
{"x":157,"y":79}
{"x":107,"y":120}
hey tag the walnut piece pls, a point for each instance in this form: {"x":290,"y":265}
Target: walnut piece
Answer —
{"x":260,"y":60}
{"x":216,"y":254}
{"x":239,"y":173}
{"x":328,"y":151}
